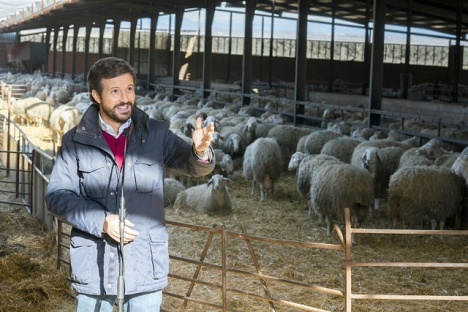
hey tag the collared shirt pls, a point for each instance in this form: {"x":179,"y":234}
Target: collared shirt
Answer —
{"x":105,"y":127}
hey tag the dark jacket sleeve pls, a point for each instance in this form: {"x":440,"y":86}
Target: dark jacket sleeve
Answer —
{"x":63,"y":194}
{"x":181,"y":158}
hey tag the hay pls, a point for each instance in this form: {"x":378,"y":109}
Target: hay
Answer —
{"x":30,"y":280}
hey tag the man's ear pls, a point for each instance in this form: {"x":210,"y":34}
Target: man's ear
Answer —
{"x":96,"y":96}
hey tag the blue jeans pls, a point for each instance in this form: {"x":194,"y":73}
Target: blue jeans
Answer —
{"x":144,"y":302}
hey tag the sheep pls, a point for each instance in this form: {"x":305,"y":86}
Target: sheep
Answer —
{"x":381,"y":163}
{"x":422,"y":193}
{"x":38,"y":113}
{"x":342,"y":127}
{"x":304,"y":166}
{"x":363,"y":133}
{"x":421,"y":156}
{"x":172,"y":188}
{"x":335,"y":186}
{"x":315,"y":141}
{"x":341,"y":148}
{"x":234,"y":142}
{"x":224,"y":163}
{"x":21,"y":106}
{"x":62,"y":119}
{"x":262,"y":165}
{"x":446,"y":160}
{"x":211,"y":198}
{"x":287,"y":137}
{"x":359,"y":150}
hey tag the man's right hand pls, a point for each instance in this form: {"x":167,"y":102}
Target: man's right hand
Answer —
{"x":111,"y":228}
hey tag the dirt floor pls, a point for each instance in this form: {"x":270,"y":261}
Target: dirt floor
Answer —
{"x":29,"y":280}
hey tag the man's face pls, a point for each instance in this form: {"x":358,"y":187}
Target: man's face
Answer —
{"x":116,"y":100}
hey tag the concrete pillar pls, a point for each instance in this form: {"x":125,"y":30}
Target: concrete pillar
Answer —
{"x":377,"y":54}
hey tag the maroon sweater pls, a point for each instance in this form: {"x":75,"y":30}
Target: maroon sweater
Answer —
{"x":117,"y":146}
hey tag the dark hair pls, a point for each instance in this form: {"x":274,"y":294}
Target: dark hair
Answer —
{"x":106,"y":68}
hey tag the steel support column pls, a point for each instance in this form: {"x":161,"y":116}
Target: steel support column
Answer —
{"x":301,"y":58}
{"x":64,"y":49}
{"x":47,"y":48}
{"x":176,"y":54}
{"x":367,"y":49}
{"x":247,"y":59}
{"x":270,"y":56}
{"x":151,"y":53}
{"x":376,"y":71}
{"x":102,"y":28}
{"x":409,"y":22}
{"x":54,"y":61}
{"x":131,"y":51}
{"x":76,"y":29}
{"x":86,"y":53}
{"x":210,"y":11}
{"x":115,"y":37}
{"x":331,"y":73}
{"x":458,"y":53}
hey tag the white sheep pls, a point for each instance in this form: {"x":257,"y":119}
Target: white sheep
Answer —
{"x":315,"y":141}
{"x":62,"y":119}
{"x":172,"y":188}
{"x":304,"y":166}
{"x":359,"y":150}
{"x":341,"y":148}
{"x":262,"y":164}
{"x":425,"y":193}
{"x":224,"y":163}
{"x":211,"y":198}
{"x":234,"y":142}
{"x":421,"y":156}
{"x":381,"y":163}
{"x":287,"y":137}
{"x":336,"y":186}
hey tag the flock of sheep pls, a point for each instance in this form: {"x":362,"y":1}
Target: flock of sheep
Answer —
{"x":338,"y":162}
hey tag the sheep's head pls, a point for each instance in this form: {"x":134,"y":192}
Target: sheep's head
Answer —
{"x":218,"y":182}
{"x":295,"y":160}
{"x":460,"y":167}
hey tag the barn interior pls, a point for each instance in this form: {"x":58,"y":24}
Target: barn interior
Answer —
{"x":403,"y":61}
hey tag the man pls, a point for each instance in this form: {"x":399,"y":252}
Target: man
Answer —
{"x":117,"y":148}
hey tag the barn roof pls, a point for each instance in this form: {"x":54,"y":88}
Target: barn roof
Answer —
{"x":438,"y":15}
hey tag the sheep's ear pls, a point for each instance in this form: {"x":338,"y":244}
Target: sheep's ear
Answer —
{"x":209,"y":182}
{"x":227,"y":181}
{"x":377,"y":154}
